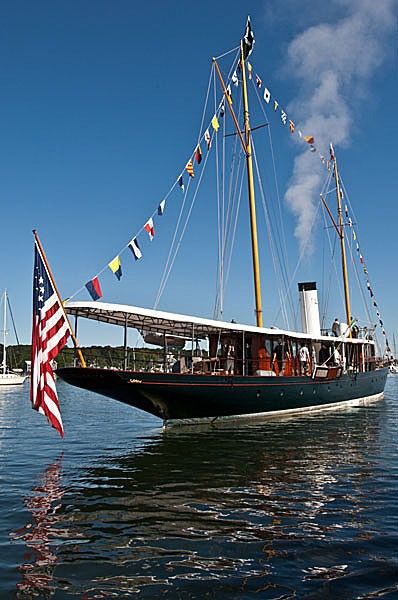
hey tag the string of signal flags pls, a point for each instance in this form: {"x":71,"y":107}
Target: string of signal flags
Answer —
{"x":365,"y":271}
{"x":93,"y":286}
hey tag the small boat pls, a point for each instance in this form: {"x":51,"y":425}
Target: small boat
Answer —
{"x":165,"y":341}
{"x":241,"y":370}
{"x":8,"y":376}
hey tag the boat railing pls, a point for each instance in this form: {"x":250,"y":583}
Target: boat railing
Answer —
{"x":366,"y":333}
{"x":158,"y":361}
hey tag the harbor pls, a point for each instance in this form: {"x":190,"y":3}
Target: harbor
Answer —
{"x":303,"y":507}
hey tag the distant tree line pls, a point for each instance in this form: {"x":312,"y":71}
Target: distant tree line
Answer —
{"x":96,"y":356}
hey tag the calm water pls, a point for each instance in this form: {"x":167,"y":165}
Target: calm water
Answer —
{"x":303,"y":508}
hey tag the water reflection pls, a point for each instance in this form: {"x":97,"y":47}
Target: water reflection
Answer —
{"x":41,"y":534}
{"x":228,"y":509}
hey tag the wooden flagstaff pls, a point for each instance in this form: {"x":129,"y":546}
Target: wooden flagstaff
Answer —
{"x":49,"y":272}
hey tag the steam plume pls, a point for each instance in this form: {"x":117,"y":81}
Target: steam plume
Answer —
{"x":333,"y":64}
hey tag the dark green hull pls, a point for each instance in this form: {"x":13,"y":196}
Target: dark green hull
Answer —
{"x":174,"y":396}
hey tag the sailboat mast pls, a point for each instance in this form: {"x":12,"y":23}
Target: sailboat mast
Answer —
{"x":252,"y":203}
{"x":4,"y":331}
{"x":342,"y":242}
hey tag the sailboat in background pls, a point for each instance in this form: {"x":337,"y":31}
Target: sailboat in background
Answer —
{"x":8,"y":376}
{"x":394,"y":364}
{"x":244,"y":370}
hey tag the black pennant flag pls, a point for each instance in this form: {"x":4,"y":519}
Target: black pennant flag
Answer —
{"x":248,"y":40}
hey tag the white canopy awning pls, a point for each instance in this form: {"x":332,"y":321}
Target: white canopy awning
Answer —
{"x":146,"y":319}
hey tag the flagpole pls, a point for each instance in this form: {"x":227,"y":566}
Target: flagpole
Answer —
{"x":49,"y":272}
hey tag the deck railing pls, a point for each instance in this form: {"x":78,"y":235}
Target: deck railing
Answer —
{"x":147,"y":360}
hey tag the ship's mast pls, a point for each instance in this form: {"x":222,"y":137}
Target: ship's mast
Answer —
{"x":4,"y":332}
{"x":246,"y":145}
{"x":342,"y":242}
{"x":252,"y":203}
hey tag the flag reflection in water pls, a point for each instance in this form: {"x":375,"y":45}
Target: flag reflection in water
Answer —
{"x":41,"y":534}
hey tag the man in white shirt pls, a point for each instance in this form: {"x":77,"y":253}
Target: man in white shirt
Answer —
{"x":304,"y":356}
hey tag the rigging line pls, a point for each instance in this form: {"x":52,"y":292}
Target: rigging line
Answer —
{"x":323,"y":286}
{"x":348,"y":203}
{"x":229,"y":246}
{"x":235,"y":223}
{"x":185,"y":227}
{"x":236,"y":152}
{"x":200,"y":137}
{"x":219,"y":267}
{"x":370,"y":303}
{"x":227,"y":220}
{"x":222,"y":215}
{"x":270,"y":237}
{"x":172,"y":243}
{"x":303,"y":251}
{"x":338,"y":278}
{"x":222,"y":208}
{"x":12,"y":319}
{"x":282,"y":228}
{"x":234,"y":199}
{"x":205,"y":105}
{"x":274,"y":253}
{"x":282,"y":258}
{"x":151,"y":216}
{"x":326,"y":295}
{"x":226,"y":53}
{"x":366,"y":300}
{"x":280,"y":273}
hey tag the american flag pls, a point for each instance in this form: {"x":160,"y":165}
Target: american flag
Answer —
{"x":50,"y":331}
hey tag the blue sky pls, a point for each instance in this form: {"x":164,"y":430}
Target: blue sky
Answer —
{"x":101,"y":107}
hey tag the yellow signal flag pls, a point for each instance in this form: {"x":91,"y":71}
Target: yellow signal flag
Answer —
{"x":215,"y":123}
{"x":189,"y":168}
{"x":116,"y":267}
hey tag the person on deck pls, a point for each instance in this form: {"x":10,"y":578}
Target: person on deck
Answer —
{"x":323,"y":355}
{"x":277,"y":359}
{"x":336,"y":328}
{"x":304,"y":356}
{"x":230,"y":358}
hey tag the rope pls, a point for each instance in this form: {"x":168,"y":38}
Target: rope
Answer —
{"x":161,"y":290}
{"x":228,"y":52}
{"x":274,"y":253}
